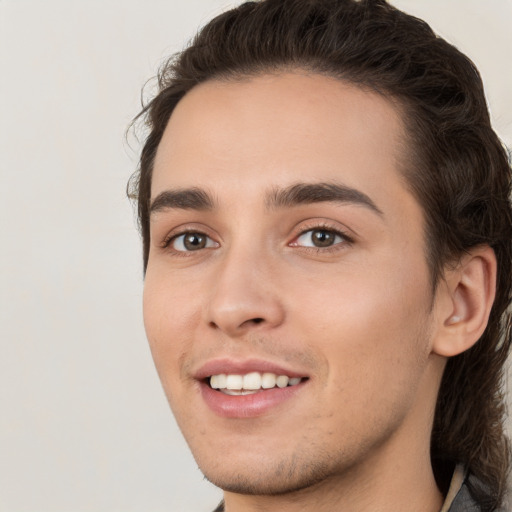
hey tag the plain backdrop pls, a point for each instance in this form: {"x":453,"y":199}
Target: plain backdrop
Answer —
{"x":84,"y":425}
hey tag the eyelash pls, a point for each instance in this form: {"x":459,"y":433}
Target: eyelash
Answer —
{"x":347,"y":240}
{"x":169,"y":239}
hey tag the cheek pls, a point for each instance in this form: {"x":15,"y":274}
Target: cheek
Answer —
{"x":170,"y":319}
{"x":370,"y":326}
{"x":364,"y":298}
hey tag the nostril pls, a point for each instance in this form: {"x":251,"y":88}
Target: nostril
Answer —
{"x":233,"y":326}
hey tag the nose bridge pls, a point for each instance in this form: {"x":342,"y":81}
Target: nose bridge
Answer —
{"x":243,"y":294}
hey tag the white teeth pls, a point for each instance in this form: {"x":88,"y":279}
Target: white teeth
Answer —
{"x":251,"y":382}
{"x":268,"y":380}
{"x":218,"y":381}
{"x":234,"y":382}
{"x":238,"y":392}
{"x":282,"y":381}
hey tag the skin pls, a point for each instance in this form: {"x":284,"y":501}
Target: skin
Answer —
{"x":357,"y":317}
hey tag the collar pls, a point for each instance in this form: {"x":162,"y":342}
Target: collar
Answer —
{"x":457,"y":480}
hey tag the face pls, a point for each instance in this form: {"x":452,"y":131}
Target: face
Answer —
{"x":287,"y":298}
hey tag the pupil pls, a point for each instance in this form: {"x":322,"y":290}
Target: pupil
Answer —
{"x":194,"y":241}
{"x":323,"y":238}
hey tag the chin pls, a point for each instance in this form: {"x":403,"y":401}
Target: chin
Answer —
{"x":272,"y":477}
{"x":274,"y":483}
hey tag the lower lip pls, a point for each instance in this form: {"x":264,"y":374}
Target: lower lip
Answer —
{"x":247,"y":406}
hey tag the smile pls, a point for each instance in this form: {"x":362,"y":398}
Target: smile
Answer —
{"x":250,"y":383}
{"x":249,"y":388}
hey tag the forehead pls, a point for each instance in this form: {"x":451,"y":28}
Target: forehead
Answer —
{"x":248,"y":135}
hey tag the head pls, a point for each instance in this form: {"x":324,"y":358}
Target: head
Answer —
{"x":455,"y":184}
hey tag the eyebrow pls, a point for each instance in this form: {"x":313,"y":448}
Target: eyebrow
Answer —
{"x":307,"y":193}
{"x":182,"y":199}
{"x":277,"y":198}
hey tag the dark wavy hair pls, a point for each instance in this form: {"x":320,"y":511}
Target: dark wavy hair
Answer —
{"x":454,"y":164}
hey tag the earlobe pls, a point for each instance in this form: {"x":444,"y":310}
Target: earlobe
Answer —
{"x":470,"y":290}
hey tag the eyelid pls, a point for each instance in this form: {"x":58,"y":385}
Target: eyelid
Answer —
{"x":184,"y":230}
{"x":323,"y":226}
{"x":210,"y":243}
{"x":312,"y":225}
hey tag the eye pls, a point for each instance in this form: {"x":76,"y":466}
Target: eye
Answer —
{"x":191,"y":241}
{"x":319,"y":238}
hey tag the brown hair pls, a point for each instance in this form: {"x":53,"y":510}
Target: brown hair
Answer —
{"x":456,"y":167}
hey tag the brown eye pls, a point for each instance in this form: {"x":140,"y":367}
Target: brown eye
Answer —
{"x":319,"y":238}
{"x":322,"y":238}
{"x":192,"y":242}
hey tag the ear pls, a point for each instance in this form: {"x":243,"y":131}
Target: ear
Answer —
{"x":465,"y":301}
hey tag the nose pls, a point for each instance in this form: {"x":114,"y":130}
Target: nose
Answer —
{"x":244,"y":296}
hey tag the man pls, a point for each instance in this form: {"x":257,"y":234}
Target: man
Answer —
{"x":328,"y":253}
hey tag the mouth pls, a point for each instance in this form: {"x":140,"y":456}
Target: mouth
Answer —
{"x":250,"y":383}
{"x":248,"y":389}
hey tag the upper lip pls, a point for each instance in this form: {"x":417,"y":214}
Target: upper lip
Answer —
{"x":242,"y":367}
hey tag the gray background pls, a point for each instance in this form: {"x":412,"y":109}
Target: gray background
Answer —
{"x":84,"y":425}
